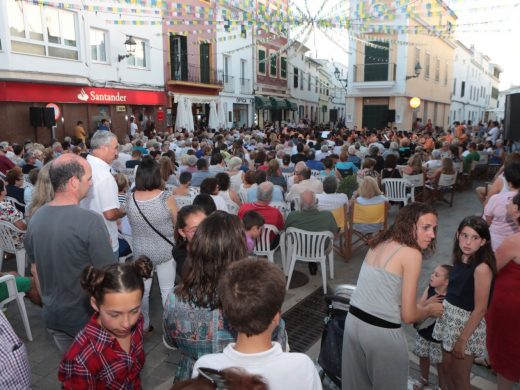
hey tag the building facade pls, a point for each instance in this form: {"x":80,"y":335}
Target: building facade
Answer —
{"x":383,"y":66}
{"x":74,"y":60}
{"x":475,"y":86}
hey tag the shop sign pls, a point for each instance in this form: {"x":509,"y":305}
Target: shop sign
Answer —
{"x":160,"y":116}
{"x":120,"y":108}
{"x":245,"y":100}
{"x":34,"y":92}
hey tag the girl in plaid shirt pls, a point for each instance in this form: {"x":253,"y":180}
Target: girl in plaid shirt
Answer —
{"x":108,"y":352}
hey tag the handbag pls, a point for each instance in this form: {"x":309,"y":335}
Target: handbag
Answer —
{"x":149,"y":224}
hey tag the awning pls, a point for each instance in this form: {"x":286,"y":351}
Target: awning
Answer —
{"x":262,"y":103}
{"x":278,"y":103}
{"x":291,"y":105}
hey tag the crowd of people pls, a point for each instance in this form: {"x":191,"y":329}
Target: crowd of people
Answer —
{"x":189,"y":206}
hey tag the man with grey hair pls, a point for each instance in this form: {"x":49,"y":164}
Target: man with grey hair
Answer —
{"x":434,"y":163}
{"x":264,"y":196}
{"x":329,"y":199}
{"x":303,"y":182}
{"x":102,"y":197}
{"x":311,"y":219}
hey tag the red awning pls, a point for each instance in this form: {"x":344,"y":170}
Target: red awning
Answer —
{"x":34,"y":92}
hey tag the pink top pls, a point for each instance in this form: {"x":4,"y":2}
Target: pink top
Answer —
{"x":502,"y":226}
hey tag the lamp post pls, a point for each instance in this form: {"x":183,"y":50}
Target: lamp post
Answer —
{"x":337,"y":74}
{"x":130,"y":45}
{"x":417,"y":70}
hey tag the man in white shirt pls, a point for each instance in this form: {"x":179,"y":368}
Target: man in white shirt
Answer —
{"x":252,"y":294}
{"x":133,"y":127}
{"x":102,"y":197}
{"x":303,"y":182}
{"x":494,"y":133}
{"x":329,"y":199}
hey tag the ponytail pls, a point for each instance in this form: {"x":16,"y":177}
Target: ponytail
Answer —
{"x":116,"y":278}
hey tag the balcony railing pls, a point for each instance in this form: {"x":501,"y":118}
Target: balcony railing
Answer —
{"x":227,"y":81}
{"x":374,"y":72}
{"x":245,"y":86}
{"x":195,"y":74}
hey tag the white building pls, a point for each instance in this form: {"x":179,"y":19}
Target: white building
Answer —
{"x":475,"y":86}
{"x":75,"y":58}
{"x":337,"y":76}
{"x":303,"y":82}
{"x":235,"y":66}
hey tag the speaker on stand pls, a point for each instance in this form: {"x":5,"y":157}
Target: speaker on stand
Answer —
{"x":512,"y":117}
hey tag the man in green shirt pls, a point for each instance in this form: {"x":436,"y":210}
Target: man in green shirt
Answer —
{"x":311,"y":219}
{"x":470,"y":157}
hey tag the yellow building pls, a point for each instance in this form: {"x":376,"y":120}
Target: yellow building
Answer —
{"x":400,"y":52}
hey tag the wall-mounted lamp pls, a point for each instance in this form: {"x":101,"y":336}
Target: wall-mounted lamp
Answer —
{"x":130,"y":49}
{"x":62,"y":119}
{"x":337,"y":74}
{"x":417,"y":70}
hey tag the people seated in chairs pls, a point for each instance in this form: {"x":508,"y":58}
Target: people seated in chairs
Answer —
{"x":201,"y":173}
{"x":312,"y":163}
{"x":264,"y":196}
{"x":14,"y":187}
{"x":311,"y":219}
{"x":390,"y":171}
{"x":499,"y":183}
{"x":209,"y":186}
{"x":304,"y":182}
{"x":12,"y":215}
{"x":471,"y":156}
{"x":344,"y":167}
{"x":261,"y":177}
{"x":329,"y":199}
{"x":414,"y":166}
{"x":446,"y":168}
{"x":328,"y":170}
{"x":369,"y":193}
{"x":274,"y":174}
{"x":184,"y":185}
{"x":434,"y":163}
{"x":29,"y":162}
{"x":368,"y":170}
{"x":353,"y":151}
{"x":136,"y":159}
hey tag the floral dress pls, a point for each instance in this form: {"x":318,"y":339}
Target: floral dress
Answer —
{"x":11,"y":214}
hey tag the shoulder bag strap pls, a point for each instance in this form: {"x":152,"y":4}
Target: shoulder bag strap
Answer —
{"x":149,"y":224}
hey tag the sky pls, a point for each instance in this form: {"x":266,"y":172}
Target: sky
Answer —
{"x":493,"y":26}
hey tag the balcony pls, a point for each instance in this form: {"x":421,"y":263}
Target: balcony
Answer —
{"x":186,"y":75}
{"x":374,"y":75}
{"x":227,"y":81}
{"x":245,"y":86}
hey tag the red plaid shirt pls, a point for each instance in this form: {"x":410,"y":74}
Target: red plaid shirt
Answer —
{"x":96,"y":360}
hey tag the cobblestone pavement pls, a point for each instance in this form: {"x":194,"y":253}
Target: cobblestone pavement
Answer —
{"x":161,"y":362}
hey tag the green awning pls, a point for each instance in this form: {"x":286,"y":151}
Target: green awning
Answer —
{"x":278,"y":103}
{"x":291,"y":105}
{"x":262,"y":103}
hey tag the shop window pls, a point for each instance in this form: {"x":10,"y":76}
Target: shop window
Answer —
{"x":42,"y":30}
{"x":138,"y":58}
{"x":98,"y":45}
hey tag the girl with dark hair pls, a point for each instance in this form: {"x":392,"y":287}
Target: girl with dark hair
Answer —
{"x":375,"y":351}
{"x":152,"y":212}
{"x":462,"y":328}
{"x":192,"y":321}
{"x":224,"y":190}
{"x":108,"y":352}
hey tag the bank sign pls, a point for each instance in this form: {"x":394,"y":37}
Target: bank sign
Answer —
{"x":35,"y":92}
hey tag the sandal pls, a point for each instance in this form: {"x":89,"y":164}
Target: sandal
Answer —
{"x":420,"y":384}
{"x":482,"y":361}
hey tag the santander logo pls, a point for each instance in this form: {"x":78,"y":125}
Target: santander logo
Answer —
{"x":83,"y":95}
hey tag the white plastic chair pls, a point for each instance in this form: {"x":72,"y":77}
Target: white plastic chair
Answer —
{"x":311,"y":247}
{"x":397,"y":190}
{"x":8,"y":244}
{"x":263,"y":242}
{"x":445,"y":185}
{"x":287,"y":175}
{"x":282,"y":207}
{"x":417,"y":181}
{"x":315,"y":174}
{"x":183,"y":201}
{"x":13,"y":294}
{"x":232,"y":208}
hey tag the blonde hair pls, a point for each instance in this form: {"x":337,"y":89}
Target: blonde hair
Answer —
{"x":369,"y":188}
{"x":43,"y":192}
{"x":121,"y":181}
{"x":447,"y":166}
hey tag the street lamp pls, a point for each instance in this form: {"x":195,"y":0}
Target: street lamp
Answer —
{"x":417,"y":70}
{"x":337,"y":74}
{"x":130,"y":49}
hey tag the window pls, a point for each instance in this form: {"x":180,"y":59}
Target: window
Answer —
{"x":227,"y":25}
{"x":261,"y":61}
{"x":454,"y":87}
{"x":243,"y":31}
{"x":309,"y":82}
{"x":138,"y":59}
{"x":98,"y":49}
{"x":494,"y":93}
{"x":301,"y":81}
{"x":273,"y":65}
{"x":283,"y":67}
{"x":437,"y":70}
{"x":295,"y":78}
{"x":427,"y":66}
{"x":178,"y":57}
{"x":44,"y":31}
{"x":462,"y":88}
{"x":227,"y":61}
{"x":446,"y":74}
{"x":242,"y":72}
{"x":316,"y":85}
{"x":417,"y":55}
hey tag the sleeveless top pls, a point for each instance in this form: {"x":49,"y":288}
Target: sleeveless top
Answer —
{"x":427,"y":332}
{"x":378,"y":291}
{"x":144,"y":240}
{"x":461,"y":289}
